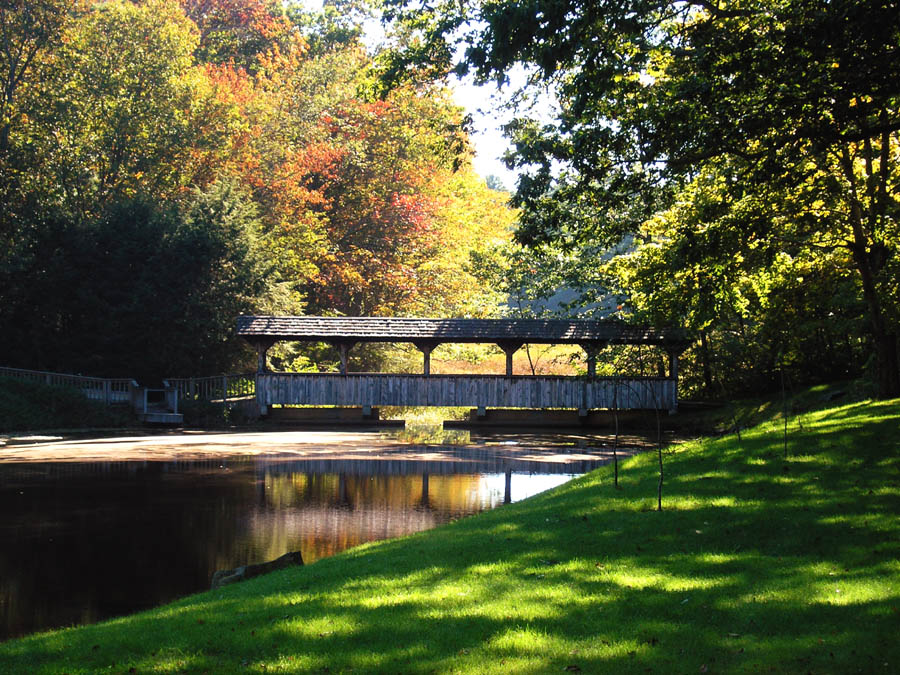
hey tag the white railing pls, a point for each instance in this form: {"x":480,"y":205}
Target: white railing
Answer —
{"x":167,"y":398}
{"x":108,"y":390}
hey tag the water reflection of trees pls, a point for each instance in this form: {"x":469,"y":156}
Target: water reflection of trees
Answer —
{"x":110,"y":537}
{"x":322,"y":514}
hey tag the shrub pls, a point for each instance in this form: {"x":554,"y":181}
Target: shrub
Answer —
{"x":26,"y":405}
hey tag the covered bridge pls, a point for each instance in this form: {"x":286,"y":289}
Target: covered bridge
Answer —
{"x":478,"y":391}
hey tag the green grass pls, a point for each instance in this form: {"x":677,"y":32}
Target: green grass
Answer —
{"x":756,"y":564}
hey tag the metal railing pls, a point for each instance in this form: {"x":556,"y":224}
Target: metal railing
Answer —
{"x":214,"y":388}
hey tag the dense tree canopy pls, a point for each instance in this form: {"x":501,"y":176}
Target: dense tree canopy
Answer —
{"x":139,"y":290}
{"x":169,"y":164}
{"x":735,"y":138}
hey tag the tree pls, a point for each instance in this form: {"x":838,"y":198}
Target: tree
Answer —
{"x":145,"y":289}
{"x":474,"y":221}
{"x":757,"y":308}
{"x":339,"y":24}
{"x":354,"y":191}
{"x":801,"y":99}
{"x":382,"y":219}
{"x":236,"y":31}
{"x":150,"y":198}
{"x":26,"y":30}
{"x":122,"y":111}
{"x":29,"y":31}
{"x":495,"y":183}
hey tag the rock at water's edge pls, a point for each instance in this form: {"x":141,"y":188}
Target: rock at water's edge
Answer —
{"x":225,"y":577}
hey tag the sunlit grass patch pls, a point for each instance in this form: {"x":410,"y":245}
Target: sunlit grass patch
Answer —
{"x":524,"y":640}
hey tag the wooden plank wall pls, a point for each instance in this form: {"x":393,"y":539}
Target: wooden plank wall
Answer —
{"x":490,"y":391}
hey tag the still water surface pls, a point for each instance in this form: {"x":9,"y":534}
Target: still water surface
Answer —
{"x":90,"y":530}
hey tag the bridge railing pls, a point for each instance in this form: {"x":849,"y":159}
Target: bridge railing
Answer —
{"x":214,"y":388}
{"x":495,"y":391}
{"x":107,"y":390}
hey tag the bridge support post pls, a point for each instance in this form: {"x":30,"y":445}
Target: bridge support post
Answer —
{"x":261,"y":388}
{"x":510,"y":348}
{"x":344,"y":351}
{"x":426,"y":347}
{"x":262,"y":349}
{"x":673,"y":375}
{"x":673,"y":365}
{"x":592,"y":349}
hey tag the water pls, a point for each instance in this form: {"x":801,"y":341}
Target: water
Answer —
{"x":94,"y":529}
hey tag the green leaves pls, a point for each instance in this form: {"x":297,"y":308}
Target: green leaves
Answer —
{"x":723,"y":136}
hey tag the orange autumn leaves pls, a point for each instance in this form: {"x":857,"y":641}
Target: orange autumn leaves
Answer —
{"x":352,"y":191}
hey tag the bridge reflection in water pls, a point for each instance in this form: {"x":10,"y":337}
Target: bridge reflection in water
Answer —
{"x":81,"y":542}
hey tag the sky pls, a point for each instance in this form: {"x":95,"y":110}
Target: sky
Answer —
{"x":484,"y":103}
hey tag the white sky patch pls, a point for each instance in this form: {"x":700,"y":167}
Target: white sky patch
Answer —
{"x":485,"y":104}
{"x":490,"y":110}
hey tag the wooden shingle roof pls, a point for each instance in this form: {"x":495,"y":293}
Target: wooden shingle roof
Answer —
{"x":384,"y":329}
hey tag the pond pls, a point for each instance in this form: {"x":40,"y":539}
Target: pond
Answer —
{"x":92,"y":529}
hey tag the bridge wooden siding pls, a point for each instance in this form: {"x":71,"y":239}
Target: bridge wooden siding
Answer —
{"x":488,"y":391}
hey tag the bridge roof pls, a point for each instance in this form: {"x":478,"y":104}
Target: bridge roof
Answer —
{"x":384,"y":329}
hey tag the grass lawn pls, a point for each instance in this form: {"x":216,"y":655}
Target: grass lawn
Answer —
{"x":756,"y":564}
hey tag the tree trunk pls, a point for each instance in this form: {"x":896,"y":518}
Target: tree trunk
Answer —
{"x":886,"y":356}
{"x":707,"y":368}
{"x":888,"y":365}
{"x":887,"y":361}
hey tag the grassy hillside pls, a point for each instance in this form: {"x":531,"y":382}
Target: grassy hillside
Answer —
{"x":27,"y":406}
{"x":757,"y":564}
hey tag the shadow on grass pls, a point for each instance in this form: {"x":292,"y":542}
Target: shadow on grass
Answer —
{"x":756,"y":564}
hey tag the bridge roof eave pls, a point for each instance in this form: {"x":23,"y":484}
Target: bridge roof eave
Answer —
{"x":345,"y":330}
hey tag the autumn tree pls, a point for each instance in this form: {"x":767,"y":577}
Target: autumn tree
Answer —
{"x":168,"y":165}
{"x":352,"y":188}
{"x":382,"y":218}
{"x":120,"y":260}
{"x":236,"y":31}
{"x":29,"y":33}
{"x":121,"y":111}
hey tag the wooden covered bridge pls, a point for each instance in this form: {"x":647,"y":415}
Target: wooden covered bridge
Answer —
{"x":369,"y":390}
